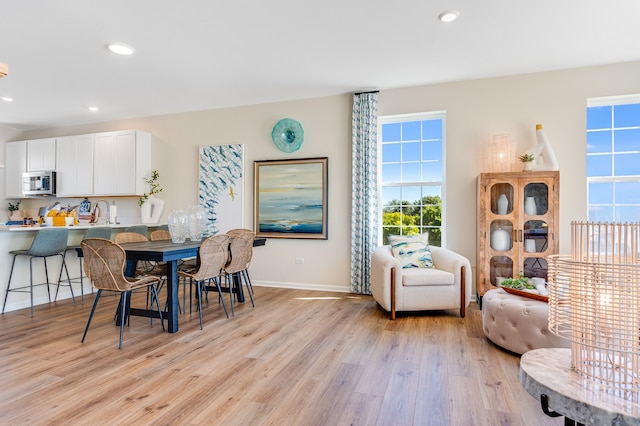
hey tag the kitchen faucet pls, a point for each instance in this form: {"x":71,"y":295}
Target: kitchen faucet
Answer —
{"x":106,"y":210}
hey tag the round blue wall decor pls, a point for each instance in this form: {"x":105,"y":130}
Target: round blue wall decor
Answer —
{"x":287,"y":135}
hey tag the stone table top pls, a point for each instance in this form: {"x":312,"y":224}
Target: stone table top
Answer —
{"x":548,"y":371}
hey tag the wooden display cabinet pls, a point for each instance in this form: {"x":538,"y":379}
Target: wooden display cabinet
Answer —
{"x":518,"y":237}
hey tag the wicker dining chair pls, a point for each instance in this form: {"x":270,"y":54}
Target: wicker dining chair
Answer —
{"x":104,"y":265}
{"x":240,"y":251}
{"x":213,"y":256}
{"x":242,"y":231}
{"x":160,"y":235}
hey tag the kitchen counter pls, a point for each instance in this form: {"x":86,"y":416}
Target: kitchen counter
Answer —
{"x":82,"y":226}
{"x":17,"y":237}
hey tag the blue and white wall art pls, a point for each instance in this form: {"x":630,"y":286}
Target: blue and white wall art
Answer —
{"x":221,"y":187}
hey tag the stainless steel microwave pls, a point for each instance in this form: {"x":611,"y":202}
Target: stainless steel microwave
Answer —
{"x":39,"y":183}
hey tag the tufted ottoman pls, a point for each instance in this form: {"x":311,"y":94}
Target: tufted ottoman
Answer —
{"x":517,"y":323}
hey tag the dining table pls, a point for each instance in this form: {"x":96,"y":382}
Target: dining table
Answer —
{"x":161,"y":251}
{"x":170,"y":253}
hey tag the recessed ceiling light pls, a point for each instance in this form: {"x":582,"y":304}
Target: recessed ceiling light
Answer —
{"x":93,"y":108}
{"x":6,"y":98}
{"x":449,"y":16}
{"x":120,"y":49}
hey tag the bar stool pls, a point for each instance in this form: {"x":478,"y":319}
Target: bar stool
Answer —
{"x":47,"y":243}
{"x":94,"y":232}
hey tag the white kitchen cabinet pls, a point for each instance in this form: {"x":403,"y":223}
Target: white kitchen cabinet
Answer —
{"x":122,"y":160}
{"x":41,"y":154}
{"x":15,"y":160}
{"x":74,"y":159}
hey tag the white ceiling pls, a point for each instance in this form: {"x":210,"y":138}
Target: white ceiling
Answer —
{"x":202,"y":54}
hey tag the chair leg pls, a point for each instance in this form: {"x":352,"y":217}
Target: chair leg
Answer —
{"x":31,"y":281}
{"x":230,"y":284}
{"x":93,"y":309}
{"x":154,"y":293}
{"x":64,"y":267}
{"x":247,"y":284}
{"x":199,"y":291}
{"x":46,"y":275}
{"x":218,"y":284}
{"x":123,"y":304}
{"x":6,"y":292}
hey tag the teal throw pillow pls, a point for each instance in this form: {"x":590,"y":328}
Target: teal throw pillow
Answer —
{"x":412,"y":252}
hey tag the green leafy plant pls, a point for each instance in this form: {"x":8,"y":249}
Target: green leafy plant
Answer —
{"x":519,"y":283}
{"x":154,"y":187}
{"x":14,"y":206}
{"x":526,"y":158}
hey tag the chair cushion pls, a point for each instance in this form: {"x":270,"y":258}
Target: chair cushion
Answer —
{"x":412,"y":252}
{"x":426,"y":276}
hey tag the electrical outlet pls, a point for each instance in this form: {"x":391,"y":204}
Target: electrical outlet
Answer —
{"x":300,"y":260}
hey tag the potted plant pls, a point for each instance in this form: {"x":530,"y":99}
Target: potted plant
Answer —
{"x":13,"y":208}
{"x":151,"y":207}
{"x":527,"y":161}
{"x":154,"y":187}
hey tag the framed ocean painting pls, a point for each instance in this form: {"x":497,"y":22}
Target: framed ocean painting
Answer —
{"x":291,"y":198}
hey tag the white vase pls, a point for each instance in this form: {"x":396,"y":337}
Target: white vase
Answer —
{"x":527,"y":166}
{"x":530,"y":245}
{"x":530,"y":206}
{"x":500,"y":240}
{"x":151,"y":210}
{"x":503,"y":204}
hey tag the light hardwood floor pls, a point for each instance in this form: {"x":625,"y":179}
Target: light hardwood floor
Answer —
{"x":297,"y":358}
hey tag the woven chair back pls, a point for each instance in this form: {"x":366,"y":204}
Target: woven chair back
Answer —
{"x":160,"y":235}
{"x":129,"y":237}
{"x":241,"y":251}
{"x":104,"y":264}
{"x":213,"y":255}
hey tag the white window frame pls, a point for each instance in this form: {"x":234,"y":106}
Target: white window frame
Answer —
{"x":400,"y":118}
{"x":609,"y":101}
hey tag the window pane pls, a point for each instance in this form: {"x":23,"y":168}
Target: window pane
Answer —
{"x":411,"y":172}
{"x":627,"y":140}
{"x":599,"y":165}
{"x":432,"y":191}
{"x":411,"y":131}
{"x":391,"y":132}
{"x":409,"y":206}
{"x":432,"y":171}
{"x":627,"y":214}
{"x":599,"y":117}
{"x":626,"y":164}
{"x":411,"y":151}
{"x":601,"y":213}
{"x":431,"y":129}
{"x":627,"y":115}
{"x":390,"y":173}
{"x":391,"y":152}
{"x":389,"y":194}
{"x":599,"y":141}
{"x":432,"y":150}
{"x":601,"y":193}
{"x":627,"y":193}
{"x":410,"y":194}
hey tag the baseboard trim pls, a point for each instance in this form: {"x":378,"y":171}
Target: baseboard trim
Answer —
{"x":301,"y":286}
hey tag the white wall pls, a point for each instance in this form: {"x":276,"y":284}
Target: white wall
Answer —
{"x":475,"y":111}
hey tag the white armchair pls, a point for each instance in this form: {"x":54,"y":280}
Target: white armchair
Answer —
{"x":447,"y":286}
